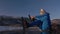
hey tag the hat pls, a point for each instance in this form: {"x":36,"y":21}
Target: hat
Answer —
{"x":42,"y":12}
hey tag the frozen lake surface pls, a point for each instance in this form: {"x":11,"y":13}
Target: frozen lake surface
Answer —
{"x":6,"y":28}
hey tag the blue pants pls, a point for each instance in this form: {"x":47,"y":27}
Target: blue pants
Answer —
{"x":39,"y":24}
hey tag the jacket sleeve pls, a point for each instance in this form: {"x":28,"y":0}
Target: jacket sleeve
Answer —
{"x":37,"y":17}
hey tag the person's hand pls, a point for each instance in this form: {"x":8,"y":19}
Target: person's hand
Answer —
{"x":32,"y":17}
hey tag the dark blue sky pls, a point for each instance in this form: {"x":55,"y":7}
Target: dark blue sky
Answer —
{"x":24,"y":7}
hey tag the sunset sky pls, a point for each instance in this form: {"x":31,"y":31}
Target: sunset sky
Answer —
{"x":18,"y":8}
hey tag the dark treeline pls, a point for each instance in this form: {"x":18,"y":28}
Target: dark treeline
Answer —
{"x":6,"y":20}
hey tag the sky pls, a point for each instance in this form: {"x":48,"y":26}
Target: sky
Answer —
{"x":18,"y":8}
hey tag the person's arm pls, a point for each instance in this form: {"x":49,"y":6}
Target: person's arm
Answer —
{"x":38,"y":17}
{"x":35,"y":17}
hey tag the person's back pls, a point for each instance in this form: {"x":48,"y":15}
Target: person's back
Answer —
{"x":45,"y":18}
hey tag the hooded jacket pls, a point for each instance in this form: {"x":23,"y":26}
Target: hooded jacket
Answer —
{"x":46,"y":23}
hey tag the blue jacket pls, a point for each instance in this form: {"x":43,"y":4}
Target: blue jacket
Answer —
{"x":46,"y":21}
{"x":43,"y":21}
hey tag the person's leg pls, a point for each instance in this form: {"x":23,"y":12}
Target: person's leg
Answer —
{"x":45,"y":33}
{"x":37,"y":22}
